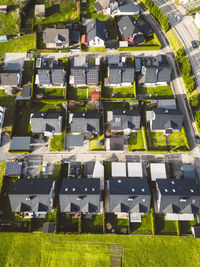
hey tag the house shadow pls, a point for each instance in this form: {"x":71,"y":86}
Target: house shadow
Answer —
{"x":52,"y":10}
{"x":12,"y":7}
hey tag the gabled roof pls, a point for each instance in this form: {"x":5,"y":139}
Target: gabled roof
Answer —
{"x":26,"y":93}
{"x":46,"y":121}
{"x":129,"y":7}
{"x":113,"y":60}
{"x":118,"y":75}
{"x":129,"y":195}
{"x":32,"y":195}
{"x":179,"y":196}
{"x":9,"y":78}
{"x":128,"y":26}
{"x":58,"y":76}
{"x":104,"y":3}
{"x":20,"y":143}
{"x":85,"y":122}
{"x":167,"y":119}
{"x":44,"y":76}
{"x":80,"y":195}
{"x":125,"y":119}
{"x":96,"y":28}
{"x":79,"y":75}
{"x":92,"y":76}
{"x":51,"y":35}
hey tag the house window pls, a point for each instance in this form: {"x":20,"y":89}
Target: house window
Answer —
{"x":99,"y":40}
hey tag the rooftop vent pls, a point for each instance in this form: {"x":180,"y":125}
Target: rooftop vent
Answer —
{"x":142,"y":189}
{"x":93,"y":189}
{"x":124,"y":111}
{"x":166,"y":111}
{"x":130,"y":199}
{"x":85,"y":189}
{"x":193,"y":200}
{"x":166,"y":190}
{"x":83,"y":114}
{"x":133,"y":189}
{"x":66,"y":189}
{"x":28,"y":198}
{"x":73,"y":189}
{"x":119,"y":181}
{"x":172,"y":182}
{"x":173,"y":190}
{"x":78,"y":198}
{"x":191,"y":190}
{"x":143,"y":200}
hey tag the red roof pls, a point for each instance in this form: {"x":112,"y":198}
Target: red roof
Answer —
{"x":95,"y":95}
{"x":84,"y":39}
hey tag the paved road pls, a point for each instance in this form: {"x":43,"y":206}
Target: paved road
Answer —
{"x":186,"y":31}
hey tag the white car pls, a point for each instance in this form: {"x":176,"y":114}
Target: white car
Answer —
{"x":177,"y":18}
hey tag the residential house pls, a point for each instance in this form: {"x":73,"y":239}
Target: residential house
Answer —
{"x":47,"y":123}
{"x":26,"y":93}
{"x":56,"y":38}
{"x":96,"y":33}
{"x":132,"y":30}
{"x":80,"y":195}
{"x":167,"y":103}
{"x":83,"y":73}
{"x":178,"y":199}
{"x":84,"y":122}
{"x":95,"y":169}
{"x":107,"y":7}
{"x":32,"y":197}
{"x":124,"y":120}
{"x":3,"y":9}
{"x":155,"y":71}
{"x":11,"y":76}
{"x":120,"y":76}
{"x":129,"y":196}
{"x":164,"y":120}
{"x":128,"y":9}
{"x":126,"y":169}
{"x":197,"y":19}
{"x":51,"y":78}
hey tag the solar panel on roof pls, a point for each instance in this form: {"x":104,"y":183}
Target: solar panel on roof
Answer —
{"x":13,"y":168}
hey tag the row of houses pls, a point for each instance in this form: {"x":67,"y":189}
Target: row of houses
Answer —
{"x":128,"y":193}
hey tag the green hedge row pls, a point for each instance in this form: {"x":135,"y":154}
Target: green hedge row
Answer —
{"x":139,"y":48}
{"x":153,"y":222}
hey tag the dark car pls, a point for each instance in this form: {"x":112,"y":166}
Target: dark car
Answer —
{"x":194,"y":44}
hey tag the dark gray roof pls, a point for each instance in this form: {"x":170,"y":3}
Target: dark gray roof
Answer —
{"x":31,"y":195}
{"x":164,"y":74}
{"x":129,"y":7}
{"x":125,"y":119}
{"x":9,"y":78}
{"x":44,"y":76}
{"x":58,"y":76}
{"x":127,"y":26}
{"x":196,"y":231}
{"x":85,"y":122}
{"x":129,"y":195}
{"x":20,"y":143}
{"x":118,"y":75}
{"x":113,"y":60}
{"x":97,"y":6}
{"x":117,"y":143}
{"x":167,"y":119}
{"x":51,"y":35}
{"x":92,"y":76}
{"x":79,"y":75}
{"x":96,"y":28}
{"x":46,"y":121}
{"x":75,"y":140}
{"x":26,"y":93}
{"x":74,"y":36}
{"x":89,"y":168}
{"x":138,"y":64}
{"x":13,"y":168}
{"x":144,"y":27}
{"x":13,"y":67}
{"x":80,"y":195}
{"x":179,"y":196}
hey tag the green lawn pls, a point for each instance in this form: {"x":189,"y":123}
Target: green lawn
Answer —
{"x":115,"y":225}
{"x":88,"y":11}
{"x":72,"y":250}
{"x":144,"y":227}
{"x":174,"y":40}
{"x":57,"y":142}
{"x":79,"y":93}
{"x":135,"y":141}
{"x":177,"y":141}
{"x":21,"y":44}
{"x":156,"y":92}
{"x":92,"y":225}
{"x":94,"y":144}
{"x":28,"y":72}
{"x":59,"y":12}
{"x":51,"y":93}
{"x":2,"y":172}
{"x":156,"y":140}
{"x":165,"y":227}
{"x":8,"y":102}
{"x":185,"y":226}
{"x":121,"y":92}
{"x":95,"y":49}
{"x":10,"y":22}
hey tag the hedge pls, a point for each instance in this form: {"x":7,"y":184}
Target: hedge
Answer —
{"x":79,"y":225}
{"x":178,"y":228}
{"x":139,"y":48}
{"x":153,"y":221}
{"x":185,"y":138}
{"x":144,"y":138}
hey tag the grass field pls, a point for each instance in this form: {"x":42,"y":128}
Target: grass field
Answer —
{"x":177,"y":140}
{"x":57,"y":142}
{"x":21,"y":44}
{"x":59,"y":12}
{"x":156,"y":92}
{"x":142,"y":228}
{"x":174,"y":40}
{"x":49,"y":249}
{"x":88,"y":11}
{"x":135,"y":141}
{"x":165,"y":227}
{"x":156,"y":140}
{"x":10,"y":22}
{"x":121,"y":92}
{"x":79,"y":93}
{"x":51,"y":93}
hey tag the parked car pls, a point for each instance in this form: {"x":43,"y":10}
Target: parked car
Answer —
{"x":177,"y":18}
{"x":194,"y":44}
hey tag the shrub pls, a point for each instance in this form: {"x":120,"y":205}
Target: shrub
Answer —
{"x":178,"y":228}
{"x":185,"y":138}
{"x":153,"y":221}
{"x":144,"y":138}
{"x":194,"y":100}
